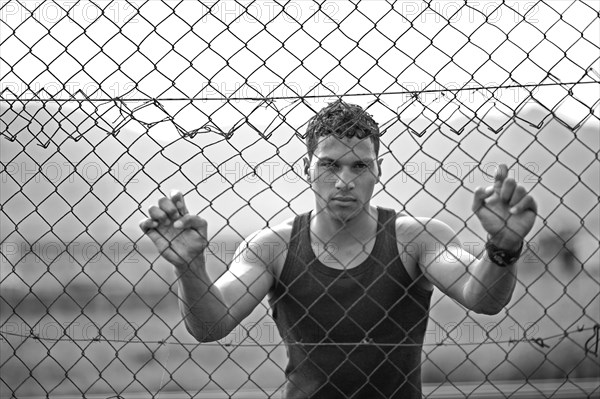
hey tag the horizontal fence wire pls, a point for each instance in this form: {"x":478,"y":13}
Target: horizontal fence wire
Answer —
{"x":591,"y":345}
{"x":108,"y":106}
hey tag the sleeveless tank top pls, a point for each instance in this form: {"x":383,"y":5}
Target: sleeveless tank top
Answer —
{"x":353,"y":333}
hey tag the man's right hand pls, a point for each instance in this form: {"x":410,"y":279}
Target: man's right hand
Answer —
{"x":179,"y":237}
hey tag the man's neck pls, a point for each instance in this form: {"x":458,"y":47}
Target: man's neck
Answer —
{"x":331,"y":230}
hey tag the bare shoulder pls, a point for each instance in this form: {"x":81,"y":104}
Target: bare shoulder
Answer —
{"x":278,"y":234}
{"x":410,"y":229}
{"x":417,"y":236}
{"x":270,"y":245}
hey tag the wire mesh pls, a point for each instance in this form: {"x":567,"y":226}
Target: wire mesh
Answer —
{"x":108,"y":106}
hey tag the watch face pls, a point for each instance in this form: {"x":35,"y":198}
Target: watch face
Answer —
{"x":501,"y":257}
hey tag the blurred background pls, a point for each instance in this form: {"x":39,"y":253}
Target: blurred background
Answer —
{"x":107,"y":106}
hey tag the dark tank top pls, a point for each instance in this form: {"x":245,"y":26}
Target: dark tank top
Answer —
{"x":333,"y":320}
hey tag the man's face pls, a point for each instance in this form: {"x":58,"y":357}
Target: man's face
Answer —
{"x":343,"y":173}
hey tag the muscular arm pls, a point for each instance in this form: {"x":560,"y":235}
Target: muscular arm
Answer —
{"x":477,"y":284}
{"x":507,"y":214}
{"x":212,"y":310}
{"x":202,"y":304}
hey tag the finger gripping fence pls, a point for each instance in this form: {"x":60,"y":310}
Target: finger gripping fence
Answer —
{"x":108,"y":106}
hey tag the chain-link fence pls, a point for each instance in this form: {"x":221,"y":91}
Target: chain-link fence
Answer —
{"x":107,"y":106}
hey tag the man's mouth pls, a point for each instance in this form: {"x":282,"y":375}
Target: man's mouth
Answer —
{"x":344,"y":199}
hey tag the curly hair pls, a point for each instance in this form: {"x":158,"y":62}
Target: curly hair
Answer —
{"x":342,"y":120}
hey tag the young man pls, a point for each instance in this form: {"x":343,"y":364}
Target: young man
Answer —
{"x":349,"y":283}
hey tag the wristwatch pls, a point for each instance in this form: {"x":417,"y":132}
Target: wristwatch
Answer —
{"x":502,"y":257}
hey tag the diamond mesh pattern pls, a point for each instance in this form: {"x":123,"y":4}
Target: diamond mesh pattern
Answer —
{"x":106,"y":106}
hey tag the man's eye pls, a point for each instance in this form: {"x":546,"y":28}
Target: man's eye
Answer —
{"x":361,"y":166}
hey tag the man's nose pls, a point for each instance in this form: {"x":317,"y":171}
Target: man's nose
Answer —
{"x":345,"y":179}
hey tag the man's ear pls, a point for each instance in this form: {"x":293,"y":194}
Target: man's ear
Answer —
{"x":307,"y":168}
{"x":379,"y":162}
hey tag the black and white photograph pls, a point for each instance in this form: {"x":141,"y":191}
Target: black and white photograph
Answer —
{"x":326,"y":199}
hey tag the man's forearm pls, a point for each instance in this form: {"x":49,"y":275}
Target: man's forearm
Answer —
{"x":202,"y":305}
{"x":490,"y":287}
